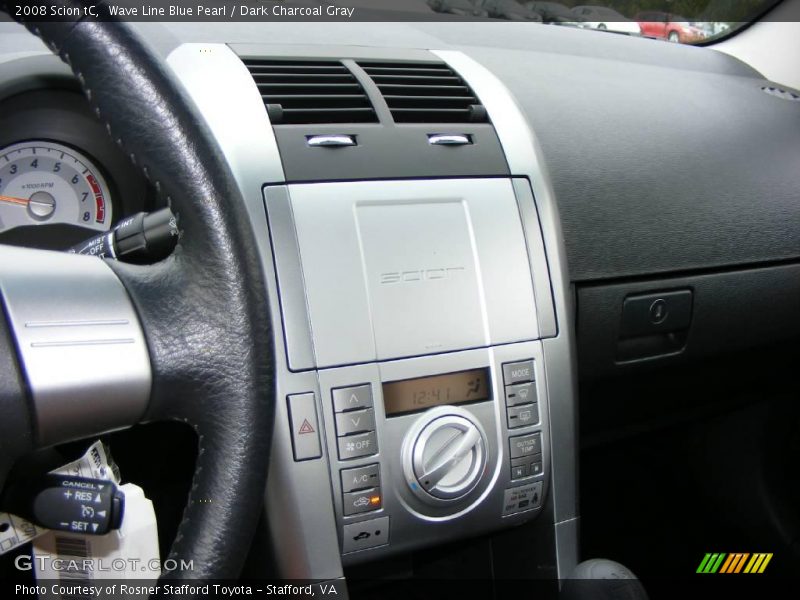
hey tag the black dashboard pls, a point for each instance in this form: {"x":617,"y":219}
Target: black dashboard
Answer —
{"x":663,"y":159}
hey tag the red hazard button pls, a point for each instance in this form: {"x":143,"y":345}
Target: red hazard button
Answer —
{"x":303,"y":422}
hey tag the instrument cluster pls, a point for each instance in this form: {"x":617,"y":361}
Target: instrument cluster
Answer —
{"x":62,"y":177}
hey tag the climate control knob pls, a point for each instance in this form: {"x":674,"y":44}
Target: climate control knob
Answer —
{"x":444,"y":455}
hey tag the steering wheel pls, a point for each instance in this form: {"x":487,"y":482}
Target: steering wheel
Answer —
{"x":203,"y":311}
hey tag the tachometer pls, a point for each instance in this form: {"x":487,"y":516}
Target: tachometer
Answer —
{"x":46,"y":183}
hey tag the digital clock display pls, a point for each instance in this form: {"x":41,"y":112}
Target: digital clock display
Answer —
{"x":411,"y":395}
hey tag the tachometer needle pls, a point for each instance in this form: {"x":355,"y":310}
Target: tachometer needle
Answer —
{"x":13,"y":200}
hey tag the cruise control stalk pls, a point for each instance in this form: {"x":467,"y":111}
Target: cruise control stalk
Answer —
{"x":141,"y":239}
{"x":67,"y":503}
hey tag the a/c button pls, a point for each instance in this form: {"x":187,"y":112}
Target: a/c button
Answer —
{"x":361,"y":478}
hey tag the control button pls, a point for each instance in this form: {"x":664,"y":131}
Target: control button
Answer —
{"x":522,"y":416}
{"x":536,"y":465}
{"x":353,"y":446}
{"x":350,"y":398}
{"x":446,"y":459}
{"x":523,"y":498}
{"x":365,"y":534}
{"x":355,"y":422}
{"x":361,"y":478}
{"x":521,"y":467}
{"x":522,"y":393}
{"x":305,"y":431}
{"x":526,"y":445}
{"x":519,"y":471}
{"x":518,"y":372}
{"x":355,"y":503}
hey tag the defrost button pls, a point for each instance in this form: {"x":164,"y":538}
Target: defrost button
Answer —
{"x":522,"y":393}
{"x":523,"y":416}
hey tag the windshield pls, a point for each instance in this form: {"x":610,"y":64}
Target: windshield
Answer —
{"x":677,"y":21}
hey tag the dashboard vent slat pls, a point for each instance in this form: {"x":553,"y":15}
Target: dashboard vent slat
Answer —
{"x":310,"y":92}
{"x":425,"y":93}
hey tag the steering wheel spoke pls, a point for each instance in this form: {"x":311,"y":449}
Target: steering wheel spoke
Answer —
{"x":79,"y":343}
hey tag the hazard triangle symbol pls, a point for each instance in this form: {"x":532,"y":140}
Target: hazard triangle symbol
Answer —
{"x":305,"y":427}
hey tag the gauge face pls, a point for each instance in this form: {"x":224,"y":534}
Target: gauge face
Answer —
{"x":47,"y":183}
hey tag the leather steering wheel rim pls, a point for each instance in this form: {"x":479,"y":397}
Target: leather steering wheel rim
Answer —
{"x":203,"y":310}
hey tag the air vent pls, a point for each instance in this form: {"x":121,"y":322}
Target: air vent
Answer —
{"x":310,"y":91}
{"x":425,"y":93}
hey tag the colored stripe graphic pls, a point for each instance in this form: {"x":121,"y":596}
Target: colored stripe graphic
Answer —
{"x":711,"y":562}
{"x":727,"y":564}
{"x":740,"y":564}
{"x":737,"y":562}
{"x":703,"y":563}
{"x":730,"y":564}
{"x":755,"y":561}
{"x":767,"y":558}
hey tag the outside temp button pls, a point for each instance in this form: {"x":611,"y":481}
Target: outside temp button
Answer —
{"x":525,"y":445}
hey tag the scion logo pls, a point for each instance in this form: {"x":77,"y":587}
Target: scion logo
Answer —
{"x":741,"y":562}
{"x":393,"y":277}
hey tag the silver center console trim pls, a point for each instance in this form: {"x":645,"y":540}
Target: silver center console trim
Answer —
{"x":394,"y":269}
{"x":81,"y":348}
{"x":304,"y":513}
{"x":525,"y":157}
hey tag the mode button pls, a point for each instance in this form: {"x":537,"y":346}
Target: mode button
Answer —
{"x":518,"y":372}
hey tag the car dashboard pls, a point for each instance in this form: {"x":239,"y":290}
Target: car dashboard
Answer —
{"x":454,"y":223}
{"x":414,"y":293}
